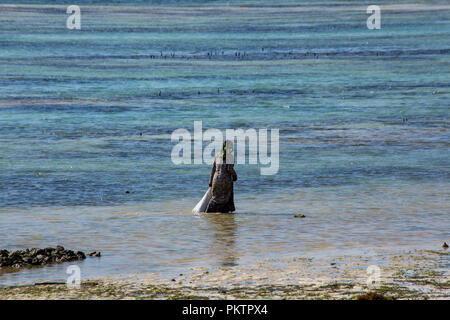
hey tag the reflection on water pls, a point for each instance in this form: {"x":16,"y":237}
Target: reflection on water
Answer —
{"x":222,"y":246}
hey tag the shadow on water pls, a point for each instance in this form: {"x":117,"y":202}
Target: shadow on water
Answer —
{"x":224,"y":234}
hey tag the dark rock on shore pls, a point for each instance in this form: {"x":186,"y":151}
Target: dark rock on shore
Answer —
{"x":95,"y":254}
{"x":36,"y":257}
{"x":373,"y":296}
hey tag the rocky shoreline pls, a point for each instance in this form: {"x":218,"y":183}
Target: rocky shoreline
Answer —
{"x":39,"y":257}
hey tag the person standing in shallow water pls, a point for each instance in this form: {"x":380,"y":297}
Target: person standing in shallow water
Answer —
{"x":221,"y":182}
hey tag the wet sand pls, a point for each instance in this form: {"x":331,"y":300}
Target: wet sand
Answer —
{"x":419,"y":274}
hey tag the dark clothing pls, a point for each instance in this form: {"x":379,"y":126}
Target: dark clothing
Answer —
{"x":222,"y":177}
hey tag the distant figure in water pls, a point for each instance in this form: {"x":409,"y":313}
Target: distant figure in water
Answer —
{"x":221,"y":182}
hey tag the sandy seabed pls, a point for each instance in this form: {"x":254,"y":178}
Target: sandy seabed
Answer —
{"x":418,"y":274}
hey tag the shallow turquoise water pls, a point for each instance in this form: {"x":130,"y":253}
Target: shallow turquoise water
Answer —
{"x":73,"y":105}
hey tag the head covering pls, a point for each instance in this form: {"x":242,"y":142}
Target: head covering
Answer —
{"x":227,"y":152}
